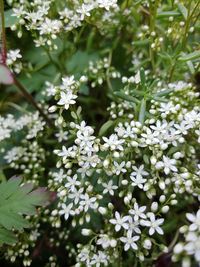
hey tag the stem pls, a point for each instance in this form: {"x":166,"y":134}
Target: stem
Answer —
{"x":53,"y":61}
{"x":32,"y":101}
{"x":2,"y":34}
{"x":153,"y":12}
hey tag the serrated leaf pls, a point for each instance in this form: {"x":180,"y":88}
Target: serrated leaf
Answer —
{"x":17,"y":200}
{"x":7,"y":237}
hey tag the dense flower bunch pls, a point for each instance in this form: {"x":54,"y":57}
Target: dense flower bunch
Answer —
{"x":120,"y":155}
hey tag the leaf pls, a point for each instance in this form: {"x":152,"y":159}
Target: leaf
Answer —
{"x":80,"y":60}
{"x":129,"y":98}
{"x":141,"y":42}
{"x":142,"y":77}
{"x":167,"y":14}
{"x":9,"y":19}
{"x":104,"y":128}
{"x":142,"y":112}
{"x":15,"y":201}
{"x":190,"y":56}
{"x":183,"y":10}
{"x":6,"y":76}
{"x":7,"y":237}
{"x":164,"y":92}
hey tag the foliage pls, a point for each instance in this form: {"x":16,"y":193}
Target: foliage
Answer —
{"x":15,"y":201}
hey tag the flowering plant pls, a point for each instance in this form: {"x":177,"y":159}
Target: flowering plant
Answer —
{"x":109,"y":122}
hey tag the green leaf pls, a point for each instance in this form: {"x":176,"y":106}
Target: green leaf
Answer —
{"x":142,"y":112}
{"x":7,"y":237}
{"x":142,"y":42}
{"x":80,"y":61}
{"x":104,"y":128}
{"x":190,"y":56}
{"x":164,"y":92}
{"x":167,"y":14}
{"x":123,"y":96}
{"x":183,"y":10}
{"x":9,"y":19}
{"x":15,"y":201}
{"x":142,"y":77}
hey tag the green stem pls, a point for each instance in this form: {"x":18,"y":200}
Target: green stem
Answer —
{"x":152,"y":16}
{"x":53,"y":61}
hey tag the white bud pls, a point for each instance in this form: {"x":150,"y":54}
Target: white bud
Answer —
{"x":116,"y":154}
{"x":106,"y":163}
{"x":63,"y":193}
{"x":162,"y":198}
{"x":147,"y":244}
{"x":165,"y":209}
{"x":153,"y":160}
{"x":113,"y":243}
{"x":52,"y":109}
{"x":162,"y":185}
{"x":178,"y":248}
{"x":86,"y":232}
{"x":102,"y":210}
{"x":154,"y":206}
{"x":124,"y":182}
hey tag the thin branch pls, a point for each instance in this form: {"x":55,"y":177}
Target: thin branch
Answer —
{"x":32,"y":101}
{"x":2,"y":34}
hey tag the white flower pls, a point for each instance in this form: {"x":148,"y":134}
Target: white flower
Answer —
{"x":66,"y":210}
{"x":100,"y":258}
{"x":137,"y":78}
{"x":168,"y":165}
{"x":137,"y":176}
{"x":133,"y":226}
{"x":119,"y":168}
{"x":12,"y":56}
{"x":193,"y":245}
{"x":72,"y":182}
{"x":138,"y":212}
{"x":195,"y":219}
{"x":120,"y":222}
{"x":153,"y":224}
{"x":68,"y":83}
{"x":109,"y":188}
{"x":67,"y":99}
{"x":59,"y":176}
{"x":88,"y":202}
{"x":107,"y":4}
{"x":62,"y":135}
{"x":14,"y":154}
{"x":129,"y":241}
{"x":75,"y":195}
{"x":84,"y":10}
{"x":49,"y":26}
{"x":113,"y":142}
{"x":104,"y":241}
